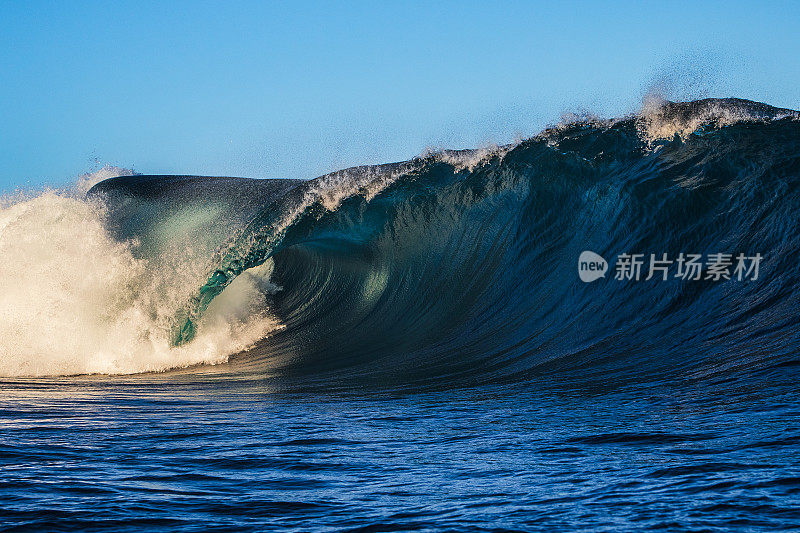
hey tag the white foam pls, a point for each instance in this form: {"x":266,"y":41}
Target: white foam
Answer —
{"x":334,"y":188}
{"x":76,"y":301}
{"x":655,"y":122}
{"x":471,"y":159}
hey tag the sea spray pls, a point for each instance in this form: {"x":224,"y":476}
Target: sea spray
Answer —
{"x":76,"y":300}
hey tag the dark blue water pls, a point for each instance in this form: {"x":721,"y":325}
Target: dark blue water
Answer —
{"x":215,"y":456}
{"x":433,"y":360}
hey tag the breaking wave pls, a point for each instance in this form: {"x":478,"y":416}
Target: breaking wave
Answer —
{"x":454,"y":267}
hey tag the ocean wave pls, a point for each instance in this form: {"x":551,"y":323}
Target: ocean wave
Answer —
{"x":455,"y":267}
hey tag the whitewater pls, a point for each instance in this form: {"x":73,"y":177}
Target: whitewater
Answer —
{"x":80,"y":301}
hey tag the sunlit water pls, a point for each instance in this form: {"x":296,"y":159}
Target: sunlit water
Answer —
{"x":194,"y":455}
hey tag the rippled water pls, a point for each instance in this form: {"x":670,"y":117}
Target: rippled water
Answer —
{"x":197,"y":455}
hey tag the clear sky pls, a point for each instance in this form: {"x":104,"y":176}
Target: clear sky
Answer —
{"x":296,"y":89}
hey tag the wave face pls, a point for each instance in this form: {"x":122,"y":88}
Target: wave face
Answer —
{"x":458,"y":267}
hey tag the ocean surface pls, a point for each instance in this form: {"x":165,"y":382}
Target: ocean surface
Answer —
{"x":420,"y":345}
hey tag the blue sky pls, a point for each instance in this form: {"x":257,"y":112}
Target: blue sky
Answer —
{"x":296,"y":89}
